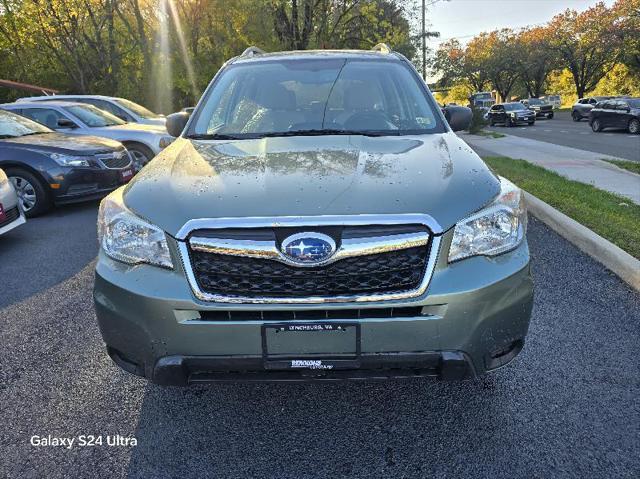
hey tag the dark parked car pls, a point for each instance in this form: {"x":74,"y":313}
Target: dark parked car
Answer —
{"x":49,"y":168}
{"x":583,"y":106}
{"x":511,"y":114}
{"x":620,"y":113}
{"x":541,"y":108}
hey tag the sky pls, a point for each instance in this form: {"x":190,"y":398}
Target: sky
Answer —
{"x":463,"y":19}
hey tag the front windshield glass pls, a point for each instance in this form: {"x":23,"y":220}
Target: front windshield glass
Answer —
{"x":137,"y":109}
{"x":514,"y":106}
{"x":94,"y":117}
{"x":289,"y":97}
{"x":535,"y":101}
{"x":12,"y":125}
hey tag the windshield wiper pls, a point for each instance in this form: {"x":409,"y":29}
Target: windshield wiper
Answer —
{"x":4,"y":137}
{"x":213,"y":136}
{"x":35,"y":133}
{"x":332,"y":132}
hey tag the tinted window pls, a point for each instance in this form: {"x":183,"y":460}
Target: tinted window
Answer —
{"x":275,"y":97}
{"x":137,"y":109}
{"x":106,"y":106}
{"x":514,"y":106}
{"x":633,"y":103}
{"x":93,"y":117}
{"x":45,"y":116}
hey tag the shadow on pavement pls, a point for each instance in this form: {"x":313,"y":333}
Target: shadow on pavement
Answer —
{"x":47,"y":250}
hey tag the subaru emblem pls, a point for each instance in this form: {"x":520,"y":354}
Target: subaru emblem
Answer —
{"x":308,"y":248}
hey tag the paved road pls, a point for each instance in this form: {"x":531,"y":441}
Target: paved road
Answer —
{"x":568,"y":407}
{"x":562,"y":130}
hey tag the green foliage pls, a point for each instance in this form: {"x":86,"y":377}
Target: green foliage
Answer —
{"x":477,"y":121}
{"x":163,"y":53}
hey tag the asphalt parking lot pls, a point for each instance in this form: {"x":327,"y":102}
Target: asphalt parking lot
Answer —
{"x":562,"y":130}
{"x":568,"y":406}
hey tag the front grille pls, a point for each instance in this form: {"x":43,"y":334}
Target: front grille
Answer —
{"x":389,"y":272}
{"x":11,"y":215}
{"x":115,"y":161}
{"x":310,"y":314}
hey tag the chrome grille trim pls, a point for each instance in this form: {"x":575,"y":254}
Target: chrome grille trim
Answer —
{"x":349,"y":248}
{"x":362,"y":220}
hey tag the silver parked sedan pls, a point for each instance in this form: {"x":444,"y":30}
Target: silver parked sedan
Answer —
{"x":11,"y":214}
{"x":142,"y":141}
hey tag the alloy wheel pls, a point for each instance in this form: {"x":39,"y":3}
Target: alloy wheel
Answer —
{"x":595,"y":125}
{"x":634,"y":126}
{"x":25,"y":191}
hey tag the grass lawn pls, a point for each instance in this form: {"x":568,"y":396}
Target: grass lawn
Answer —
{"x":633,"y":166}
{"x":492,"y":134}
{"x":612,"y":217}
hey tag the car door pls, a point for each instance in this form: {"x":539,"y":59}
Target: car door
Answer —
{"x":621,"y":114}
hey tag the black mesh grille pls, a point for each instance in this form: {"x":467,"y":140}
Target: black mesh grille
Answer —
{"x":250,"y":277}
{"x":11,"y":215}
{"x":115,"y":162}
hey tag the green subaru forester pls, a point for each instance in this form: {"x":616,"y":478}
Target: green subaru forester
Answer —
{"x":317,"y":218}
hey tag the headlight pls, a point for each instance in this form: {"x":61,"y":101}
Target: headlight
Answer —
{"x":166,"y":141}
{"x":3,"y":178}
{"x":67,"y":160}
{"x":494,"y":230}
{"x":128,"y":238}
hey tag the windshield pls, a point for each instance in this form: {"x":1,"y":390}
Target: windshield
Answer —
{"x":514,"y":106}
{"x":12,"y":125}
{"x":635,"y":103}
{"x":535,"y":101}
{"x":275,"y":98}
{"x":94,"y":117}
{"x":137,"y":109}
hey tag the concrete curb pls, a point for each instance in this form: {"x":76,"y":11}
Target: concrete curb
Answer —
{"x":618,"y":261}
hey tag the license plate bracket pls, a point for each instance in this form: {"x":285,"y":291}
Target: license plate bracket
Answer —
{"x":318,"y":345}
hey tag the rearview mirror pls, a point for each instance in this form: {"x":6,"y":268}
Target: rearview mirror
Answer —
{"x":176,"y":122}
{"x":458,"y":117}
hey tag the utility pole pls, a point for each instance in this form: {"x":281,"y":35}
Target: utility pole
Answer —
{"x":424,"y":41}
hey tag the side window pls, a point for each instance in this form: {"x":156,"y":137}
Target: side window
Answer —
{"x":45,"y":116}
{"x":622,"y":105}
{"x":593,"y":101}
{"x":106,"y":106}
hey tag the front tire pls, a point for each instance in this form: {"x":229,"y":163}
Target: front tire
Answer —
{"x":531,"y":123}
{"x":550,"y":116}
{"x":508,"y":122}
{"x":596,"y":126}
{"x":32,"y":193}
{"x":634,"y":126}
{"x":576,"y":116}
{"x":140,"y":155}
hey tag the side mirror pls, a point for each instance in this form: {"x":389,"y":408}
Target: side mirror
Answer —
{"x":176,"y":122}
{"x":458,"y":117}
{"x":65,"y":123}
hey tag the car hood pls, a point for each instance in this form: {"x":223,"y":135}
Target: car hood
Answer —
{"x":435,"y":174}
{"x":63,"y":143}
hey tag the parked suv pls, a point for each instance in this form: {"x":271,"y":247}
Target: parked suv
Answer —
{"x":510,"y":114}
{"x":619,"y":113}
{"x":583,"y":106}
{"x":124,"y":109}
{"x":142,"y":141}
{"x":541,"y":108}
{"x":48,"y":168}
{"x":316,"y":219}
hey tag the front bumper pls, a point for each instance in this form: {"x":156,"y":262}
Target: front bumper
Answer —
{"x":14,"y":214}
{"x":82,"y":184}
{"x":473,"y":318}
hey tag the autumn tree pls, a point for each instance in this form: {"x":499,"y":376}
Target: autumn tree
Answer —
{"x":496,"y":53}
{"x":535,"y":59}
{"x":456,"y":64}
{"x":627,"y":25}
{"x":586,"y":43}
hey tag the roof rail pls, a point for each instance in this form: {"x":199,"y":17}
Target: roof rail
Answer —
{"x":382,"y":48}
{"x":252,"y":51}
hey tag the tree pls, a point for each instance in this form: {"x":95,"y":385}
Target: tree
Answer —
{"x":457,"y":64}
{"x":496,"y":54}
{"x":627,"y":25}
{"x":535,"y":59}
{"x":586,"y":43}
